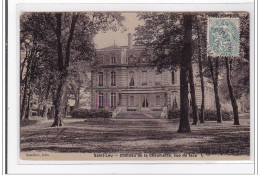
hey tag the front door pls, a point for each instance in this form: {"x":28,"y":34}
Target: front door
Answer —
{"x":144,"y":102}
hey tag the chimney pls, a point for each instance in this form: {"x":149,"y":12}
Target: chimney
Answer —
{"x":130,"y":41}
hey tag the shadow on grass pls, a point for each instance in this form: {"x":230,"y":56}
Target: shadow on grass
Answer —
{"x":28,"y":122}
{"x":154,"y":136}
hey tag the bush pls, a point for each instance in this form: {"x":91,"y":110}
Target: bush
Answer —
{"x":209,"y":115}
{"x":173,"y":114}
{"x":227,"y":116}
{"x":90,"y":113}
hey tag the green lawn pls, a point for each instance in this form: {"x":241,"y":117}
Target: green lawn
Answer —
{"x":135,"y":135}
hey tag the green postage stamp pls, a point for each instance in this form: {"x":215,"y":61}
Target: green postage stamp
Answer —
{"x":223,"y":37}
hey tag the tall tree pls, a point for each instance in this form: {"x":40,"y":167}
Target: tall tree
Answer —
{"x":79,"y":79}
{"x":230,"y":89}
{"x":211,"y":68}
{"x":69,"y":36}
{"x":46,"y":105}
{"x":163,"y":35}
{"x":200,"y":46}
{"x":30,"y":68}
{"x":243,"y":56}
{"x":195,"y":47}
{"x":36,"y":60}
{"x":202,"y":108}
{"x":214,"y":76}
{"x":193,"y":97}
{"x":184,"y":72}
{"x":80,"y":23}
{"x":63,"y":64}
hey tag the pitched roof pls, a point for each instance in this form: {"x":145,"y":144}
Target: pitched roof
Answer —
{"x":121,"y":47}
{"x":111,"y":47}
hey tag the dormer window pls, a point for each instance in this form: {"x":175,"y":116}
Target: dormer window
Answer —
{"x":158,"y":79}
{"x":101,"y":60}
{"x":113,"y":59}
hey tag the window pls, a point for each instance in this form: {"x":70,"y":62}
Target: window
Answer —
{"x":173,"y":77}
{"x":158,"y":99}
{"x":132,"y":100}
{"x":158,"y":78}
{"x":131,"y":79}
{"x":113,"y":100}
{"x":101,"y":60}
{"x":100,"y":100}
{"x":100,"y":79}
{"x":113,"y":78}
{"x":113,"y":59}
{"x":144,"y":78}
{"x":174,"y":100}
{"x":145,"y":103}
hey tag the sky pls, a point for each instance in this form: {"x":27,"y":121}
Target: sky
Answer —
{"x":107,"y":39}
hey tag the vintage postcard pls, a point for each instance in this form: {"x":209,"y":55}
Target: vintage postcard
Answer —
{"x":134,"y":86}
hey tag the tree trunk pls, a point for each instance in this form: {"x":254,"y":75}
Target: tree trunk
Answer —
{"x":215,"y":84}
{"x":45,"y":112}
{"x":26,"y":82}
{"x":59,"y":44}
{"x":60,"y":102}
{"x":28,"y":107}
{"x":184,"y":75}
{"x":230,"y":89}
{"x":45,"y":107}
{"x":202,"y":108}
{"x":193,"y":97}
{"x":23,"y":65}
{"x":22,"y":111}
{"x":77,"y":96}
{"x":219,"y":116}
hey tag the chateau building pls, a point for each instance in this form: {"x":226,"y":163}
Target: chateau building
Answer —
{"x":124,"y":79}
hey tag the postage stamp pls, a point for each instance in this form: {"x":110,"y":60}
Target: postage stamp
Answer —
{"x":223,"y":37}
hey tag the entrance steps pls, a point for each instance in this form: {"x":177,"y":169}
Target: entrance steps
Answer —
{"x":138,"y":115}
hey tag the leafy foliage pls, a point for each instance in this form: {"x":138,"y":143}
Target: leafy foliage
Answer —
{"x":91,"y":113}
{"x":240,"y":80}
{"x":52,"y":44}
{"x":209,"y":115}
{"x":162,"y":34}
{"x":174,"y":114}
